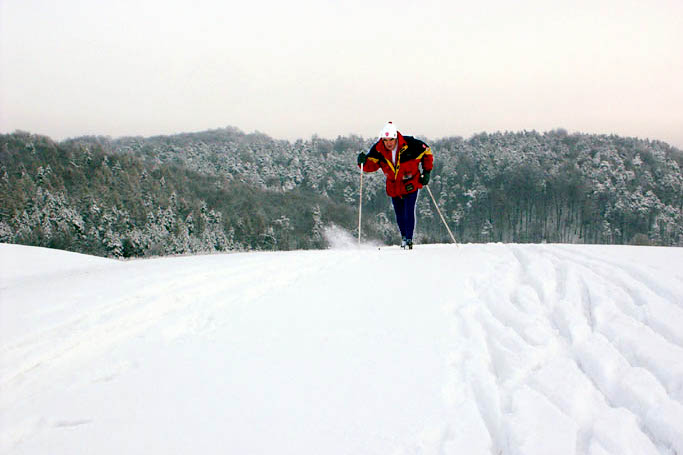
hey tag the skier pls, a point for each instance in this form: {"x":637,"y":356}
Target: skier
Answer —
{"x":399,"y":157}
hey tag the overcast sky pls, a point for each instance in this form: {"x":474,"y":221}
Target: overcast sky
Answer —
{"x":295,"y":68}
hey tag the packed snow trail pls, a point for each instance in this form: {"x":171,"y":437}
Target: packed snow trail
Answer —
{"x":482,"y":349}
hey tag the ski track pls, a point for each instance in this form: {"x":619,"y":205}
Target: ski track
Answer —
{"x":552,"y":349}
{"x":538,"y":298}
{"x":131,"y":315}
{"x":646,"y":331}
{"x":63,"y":352}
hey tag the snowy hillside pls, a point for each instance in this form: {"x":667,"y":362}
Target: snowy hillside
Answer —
{"x":482,"y":349}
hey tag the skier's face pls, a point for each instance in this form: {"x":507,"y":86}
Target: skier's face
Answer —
{"x":389,"y":143}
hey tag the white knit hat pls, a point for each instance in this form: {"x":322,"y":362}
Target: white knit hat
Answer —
{"x":389,"y":131}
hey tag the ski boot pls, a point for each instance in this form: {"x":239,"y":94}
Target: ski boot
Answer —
{"x":409,"y":243}
{"x":404,"y":243}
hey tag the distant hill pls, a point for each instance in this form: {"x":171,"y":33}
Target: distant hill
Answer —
{"x":224,"y":190}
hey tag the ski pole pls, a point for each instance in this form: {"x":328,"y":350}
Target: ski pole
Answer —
{"x":360,"y":203}
{"x":442,"y":218}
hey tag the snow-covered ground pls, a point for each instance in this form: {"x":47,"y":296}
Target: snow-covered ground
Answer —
{"x":482,"y":349}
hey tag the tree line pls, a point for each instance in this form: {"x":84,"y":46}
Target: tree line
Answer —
{"x":222,"y":190}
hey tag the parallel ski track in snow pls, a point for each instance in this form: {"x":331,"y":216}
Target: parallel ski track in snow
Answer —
{"x":547,"y":348}
{"x":620,"y":345}
{"x":130,"y":314}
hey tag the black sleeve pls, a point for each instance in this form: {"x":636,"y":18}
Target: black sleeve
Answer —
{"x":373,"y":153}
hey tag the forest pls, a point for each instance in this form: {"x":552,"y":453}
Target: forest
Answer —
{"x":226,"y":190}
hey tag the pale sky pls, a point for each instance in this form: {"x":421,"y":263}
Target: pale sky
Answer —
{"x":295,"y":68}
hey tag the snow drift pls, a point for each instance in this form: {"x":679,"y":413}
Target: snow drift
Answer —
{"x":482,"y":349}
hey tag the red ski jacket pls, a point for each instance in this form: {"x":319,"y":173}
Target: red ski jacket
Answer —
{"x":403,"y":177}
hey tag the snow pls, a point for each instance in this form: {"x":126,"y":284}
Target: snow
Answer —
{"x":481,"y":349}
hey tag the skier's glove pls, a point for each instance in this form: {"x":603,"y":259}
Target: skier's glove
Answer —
{"x":362,"y":158}
{"x":424,"y":179}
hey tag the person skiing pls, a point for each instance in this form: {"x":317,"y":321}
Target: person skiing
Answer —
{"x":400,"y":158}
